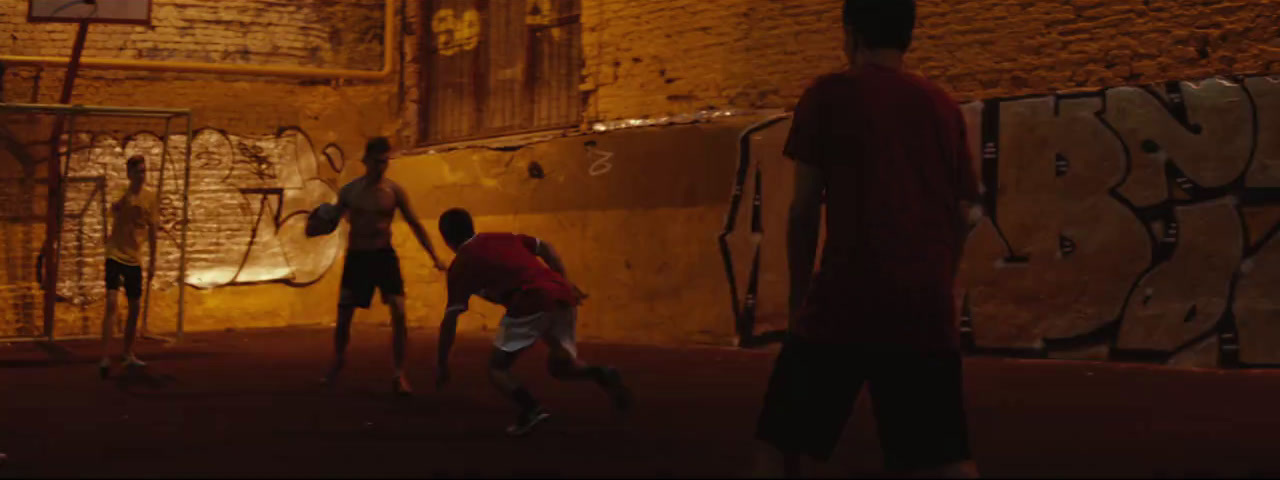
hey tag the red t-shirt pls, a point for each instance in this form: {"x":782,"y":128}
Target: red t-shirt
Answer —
{"x":503,"y":268}
{"x":892,"y":149}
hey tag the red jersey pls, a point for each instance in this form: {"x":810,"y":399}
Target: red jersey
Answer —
{"x":504,"y":268}
{"x":893,"y":152}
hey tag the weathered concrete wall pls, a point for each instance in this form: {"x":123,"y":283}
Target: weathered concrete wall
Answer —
{"x":633,"y":213}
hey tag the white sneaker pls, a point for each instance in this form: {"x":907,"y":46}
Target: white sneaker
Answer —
{"x":132,"y":361}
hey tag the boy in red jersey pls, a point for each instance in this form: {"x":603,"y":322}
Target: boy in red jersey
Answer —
{"x":504,"y":268}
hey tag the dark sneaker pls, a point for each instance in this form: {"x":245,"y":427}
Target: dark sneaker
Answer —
{"x":525,"y":423}
{"x":104,"y":368}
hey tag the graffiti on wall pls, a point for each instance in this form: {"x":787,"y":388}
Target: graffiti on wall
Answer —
{"x":1137,"y":220}
{"x":249,"y":197}
{"x":456,"y":32}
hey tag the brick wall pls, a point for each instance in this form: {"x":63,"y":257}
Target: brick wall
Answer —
{"x":662,"y":57}
{"x":331,"y":33}
{"x":671,"y":56}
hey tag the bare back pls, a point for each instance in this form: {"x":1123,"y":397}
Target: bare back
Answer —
{"x":370,"y":209}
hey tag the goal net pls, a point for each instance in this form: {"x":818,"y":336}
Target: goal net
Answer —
{"x":84,"y":150}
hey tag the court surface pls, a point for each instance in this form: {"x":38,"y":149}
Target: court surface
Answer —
{"x":246,"y":403}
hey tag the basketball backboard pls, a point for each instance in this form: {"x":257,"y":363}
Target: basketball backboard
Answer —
{"x":137,"y":12}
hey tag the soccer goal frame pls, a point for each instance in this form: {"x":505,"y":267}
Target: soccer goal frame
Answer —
{"x":61,"y":159}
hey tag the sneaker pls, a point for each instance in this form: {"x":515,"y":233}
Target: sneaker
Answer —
{"x":524,"y":424}
{"x":104,"y":368}
{"x":619,"y":393}
{"x":132,"y":361}
{"x":401,"y":386}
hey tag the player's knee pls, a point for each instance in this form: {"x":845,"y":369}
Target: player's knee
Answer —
{"x":395,"y":304}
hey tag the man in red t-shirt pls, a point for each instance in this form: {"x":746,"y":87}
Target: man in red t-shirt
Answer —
{"x":887,"y":149}
{"x":504,"y":268}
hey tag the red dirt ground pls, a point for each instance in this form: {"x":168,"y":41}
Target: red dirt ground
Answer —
{"x":246,"y":404}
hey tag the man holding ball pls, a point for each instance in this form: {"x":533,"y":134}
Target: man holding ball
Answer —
{"x":370,"y":203}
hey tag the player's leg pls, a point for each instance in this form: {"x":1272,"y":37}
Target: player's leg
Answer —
{"x":810,"y":396}
{"x":399,"y":339}
{"x":341,"y":337}
{"x":133,"y":296}
{"x":563,"y":362}
{"x":109,"y":317}
{"x":504,"y":380}
{"x":515,"y":335}
{"x":391,"y":284}
{"x":356,"y":292}
{"x":918,"y":401}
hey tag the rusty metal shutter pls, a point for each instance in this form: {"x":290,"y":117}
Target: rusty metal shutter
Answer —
{"x":494,"y":67}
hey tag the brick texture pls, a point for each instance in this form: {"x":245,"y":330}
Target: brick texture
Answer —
{"x":670,"y":56}
{"x":332,"y":33}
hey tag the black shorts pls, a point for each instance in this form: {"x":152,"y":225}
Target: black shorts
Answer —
{"x":132,"y":275}
{"x":365,"y":270}
{"x":917,"y":400}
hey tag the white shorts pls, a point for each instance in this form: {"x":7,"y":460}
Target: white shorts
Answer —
{"x":516,"y":334}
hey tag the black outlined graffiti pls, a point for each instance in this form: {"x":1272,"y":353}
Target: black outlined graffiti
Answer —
{"x":249,"y":197}
{"x":255,"y":160}
{"x":744,"y":314}
{"x":1186,"y":191}
{"x":1141,"y":221}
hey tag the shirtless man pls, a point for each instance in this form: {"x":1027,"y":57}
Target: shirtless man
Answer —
{"x":370,"y":203}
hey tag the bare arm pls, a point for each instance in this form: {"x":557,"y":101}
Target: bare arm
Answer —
{"x":548,"y":254}
{"x":402,"y":200}
{"x":803,"y":222}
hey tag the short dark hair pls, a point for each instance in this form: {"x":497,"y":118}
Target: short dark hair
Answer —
{"x":377,"y":146}
{"x":134,"y":160}
{"x":456,"y":226}
{"x":881,"y":23}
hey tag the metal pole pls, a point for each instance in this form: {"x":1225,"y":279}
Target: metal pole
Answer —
{"x":182,"y":256}
{"x":58,"y":171}
{"x":54,"y":218}
{"x":164,"y":159}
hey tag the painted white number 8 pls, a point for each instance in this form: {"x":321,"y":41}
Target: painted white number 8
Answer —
{"x":602,"y":165}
